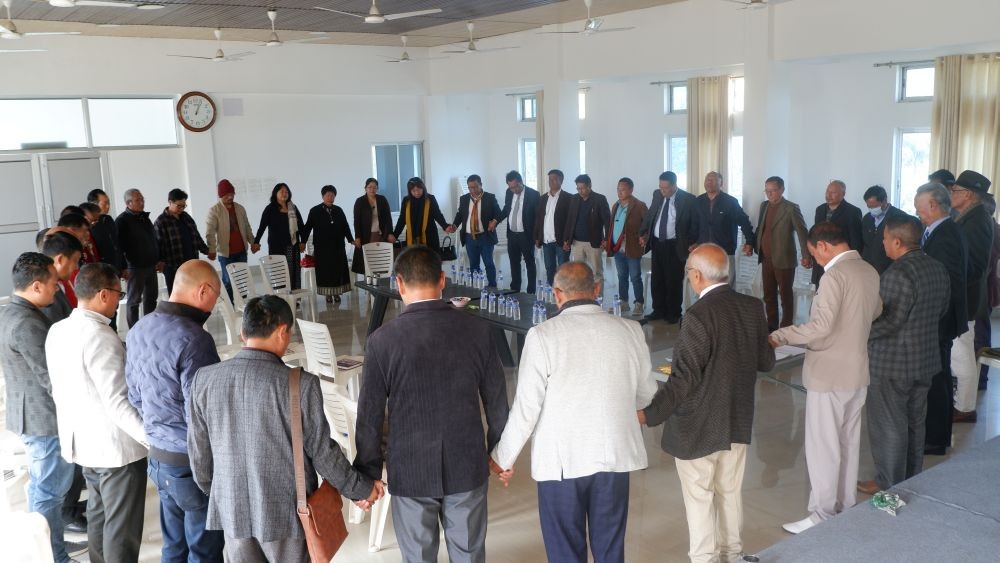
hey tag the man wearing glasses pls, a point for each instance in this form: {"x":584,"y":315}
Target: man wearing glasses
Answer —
{"x":177,"y":236}
{"x":778,"y":220}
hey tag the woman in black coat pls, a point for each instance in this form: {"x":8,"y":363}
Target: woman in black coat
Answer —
{"x":330,"y":230}
{"x":284,"y":228}
{"x":418,"y":213}
{"x":372,"y":222}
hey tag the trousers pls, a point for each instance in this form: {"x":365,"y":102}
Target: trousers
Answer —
{"x":521,"y":246}
{"x":115,"y":506}
{"x":462,"y":515}
{"x":571,"y":508}
{"x":713,"y":500}
{"x":777,"y":281}
{"x":965,"y":369}
{"x":142,"y":287}
{"x":833,"y":444}
{"x":897,"y":419}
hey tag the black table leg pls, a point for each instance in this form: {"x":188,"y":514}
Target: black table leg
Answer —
{"x":520,"y":344}
{"x":503,"y":347}
{"x":377,"y":314}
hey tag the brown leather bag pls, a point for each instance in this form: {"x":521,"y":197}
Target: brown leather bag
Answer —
{"x":322,"y":514}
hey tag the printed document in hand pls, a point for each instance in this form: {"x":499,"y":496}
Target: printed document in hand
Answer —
{"x":782,"y":352}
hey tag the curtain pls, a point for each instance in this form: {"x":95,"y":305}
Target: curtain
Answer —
{"x":542,"y":186}
{"x":965,"y":128}
{"x":708,"y":129}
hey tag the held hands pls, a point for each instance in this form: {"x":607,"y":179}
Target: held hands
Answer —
{"x":449,"y":229}
{"x":807,"y":262}
{"x":492,"y":226}
{"x":302,"y":247}
{"x":747,"y":250}
{"x":392,"y":239}
{"x":378,"y":491}
{"x":642,"y":240}
{"x":566,"y":246}
{"x":357,"y":243}
{"x":255,"y":248}
{"x":211,"y":256}
{"x":773,"y":342}
{"x":160,"y":266}
{"x":504,"y":475}
{"x":642,"y":417}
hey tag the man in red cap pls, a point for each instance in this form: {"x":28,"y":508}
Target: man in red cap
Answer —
{"x":228,"y":232}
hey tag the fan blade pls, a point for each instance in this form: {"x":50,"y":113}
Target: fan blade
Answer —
{"x":307,"y":40}
{"x":741,"y":2}
{"x":611,"y":29}
{"x":11,"y":51}
{"x":52,"y":33}
{"x":412,"y":14}
{"x":455,"y":52}
{"x":238,"y":56}
{"x":556,"y":32}
{"x":105,"y":4}
{"x":4,"y":29}
{"x":494,"y":49}
{"x":339,"y":12}
{"x":191,"y":57}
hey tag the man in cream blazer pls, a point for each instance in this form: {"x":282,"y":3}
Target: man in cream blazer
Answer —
{"x":835,"y":374}
{"x":583,"y":376}
{"x":98,"y":427}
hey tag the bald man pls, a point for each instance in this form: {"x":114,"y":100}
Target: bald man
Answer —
{"x":707,"y":403}
{"x":164,"y":350}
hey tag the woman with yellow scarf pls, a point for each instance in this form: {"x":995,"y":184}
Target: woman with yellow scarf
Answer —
{"x":417,"y":211}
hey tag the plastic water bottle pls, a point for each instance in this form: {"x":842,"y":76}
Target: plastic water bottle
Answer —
{"x":539,"y":290}
{"x":499,"y":280}
{"x":461,"y":274}
{"x":600,"y":301}
{"x":493,"y":302}
{"x":618,"y":305}
{"x":544,"y":312}
{"x":475,"y":279}
{"x":534,"y":313}
{"x":516,"y":309}
{"x":454,"y":273}
{"x":484,"y":301}
{"x":392,"y":280}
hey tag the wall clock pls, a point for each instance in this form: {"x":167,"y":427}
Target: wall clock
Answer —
{"x":196,"y":111}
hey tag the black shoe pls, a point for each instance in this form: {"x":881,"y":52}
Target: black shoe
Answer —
{"x":673,"y":320}
{"x":75,"y":548}
{"x":76,"y":526}
{"x":934,"y":450}
{"x":654,"y":316}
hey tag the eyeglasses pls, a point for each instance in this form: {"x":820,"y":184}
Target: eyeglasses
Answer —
{"x":119,"y":291}
{"x":954,"y":189}
{"x":179,"y":204}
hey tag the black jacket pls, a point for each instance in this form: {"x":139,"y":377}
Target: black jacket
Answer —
{"x":719,"y":224}
{"x":559,"y":219}
{"x":137,"y":244}
{"x":597,"y":223}
{"x":872,"y":249}
{"x":947,"y":245}
{"x":105,"y":235}
{"x":686,"y":221}
{"x":529,"y":205}
{"x":433,"y":240}
{"x":979,"y":229}
{"x":848,"y":218}
{"x":433,"y":389}
{"x":489,"y":210}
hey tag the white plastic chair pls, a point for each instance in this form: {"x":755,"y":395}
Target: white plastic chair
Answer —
{"x":378,"y":258}
{"x":321,"y":358}
{"x":294,"y":355}
{"x":342,"y":414}
{"x":275,"y":269}
{"x":25,"y":537}
{"x":379,"y":516}
{"x":161,"y":286}
{"x":242,"y":282}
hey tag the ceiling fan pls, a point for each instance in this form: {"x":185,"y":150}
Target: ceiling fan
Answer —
{"x":96,"y":3}
{"x":13,"y":51}
{"x":473,"y":48}
{"x":405,"y":57}
{"x":750,"y":4}
{"x":593,"y":25}
{"x":219,"y":57}
{"x":9,"y":31}
{"x":275,"y":41}
{"x":374,"y":15}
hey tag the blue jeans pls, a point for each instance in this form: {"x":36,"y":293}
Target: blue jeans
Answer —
{"x":50,"y":476}
{"x":481,"y":247}
{"x":224,"y":261}
{"x":555,"y":256}
{"x":629,"y":268}
{"x":183,"y":511}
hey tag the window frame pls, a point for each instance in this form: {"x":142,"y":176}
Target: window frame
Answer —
{"x":668,"y":98}
{"x":581,"y":100}
{"x":522,"y":163}
{"x":88,"y":126}
{"x":897,"y":162}
{"x":668,"y":156}
{"x":520,"y":108}
{"x":401,"y":182}
{"x":901,"y":96}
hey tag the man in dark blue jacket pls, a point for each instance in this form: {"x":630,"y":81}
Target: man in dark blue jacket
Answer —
{"x":163,"y":352}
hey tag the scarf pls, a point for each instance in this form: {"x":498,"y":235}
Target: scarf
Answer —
{"x":409,"y":224}
{"x":293,"y":224}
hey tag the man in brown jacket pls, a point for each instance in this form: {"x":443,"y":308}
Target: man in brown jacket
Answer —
{"x":624,"y":246}
{"x":776,"y":249}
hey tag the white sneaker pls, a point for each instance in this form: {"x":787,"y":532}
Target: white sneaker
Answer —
{"x":800,"y":526}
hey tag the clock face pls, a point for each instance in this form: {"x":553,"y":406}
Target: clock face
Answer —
{"x":196,"y":111}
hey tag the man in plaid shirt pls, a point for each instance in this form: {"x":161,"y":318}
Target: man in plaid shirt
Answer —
{"x":177,"y":236}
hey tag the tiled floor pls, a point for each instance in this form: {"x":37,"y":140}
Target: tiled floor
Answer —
{"x":775,"y":488}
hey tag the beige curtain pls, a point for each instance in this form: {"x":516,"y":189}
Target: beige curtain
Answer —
{"x":708,"y":129}
{"x":540,"y":141}
{"x":965,"y":129}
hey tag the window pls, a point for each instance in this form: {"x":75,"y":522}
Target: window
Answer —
{"x":916,"y":82}
{"x":911,"y":167}
{"x":583,"y":156}
{"x":527,"y":156}
{"x":63,"y":123}
{"x":675,"y":97}
{"x":35,"y":124}
{"x":582,"y":102}
{"x":736,"y":93}
{"x":735,"y":180}
{"x":526,"y":108}
{"x":675,"y":158}
{"x":393,"y":165}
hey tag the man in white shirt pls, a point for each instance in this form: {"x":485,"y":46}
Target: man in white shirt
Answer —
{"x":520,"y":205}
{"x":101,"y":431}
{"x":670,"y":229}
{"x":583,"y":449}
{"x":550,"y":225}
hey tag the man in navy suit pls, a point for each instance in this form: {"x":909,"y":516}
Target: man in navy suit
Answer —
{"x":478,"y":215}
{"x":519,"y":208}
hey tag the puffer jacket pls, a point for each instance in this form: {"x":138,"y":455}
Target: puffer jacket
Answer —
{"x":163,"y":352}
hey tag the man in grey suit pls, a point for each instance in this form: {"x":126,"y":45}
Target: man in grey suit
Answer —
{"x":903,"y":354}
{"x":708,"y":403}
{"x":240,"y":443}
{"x":31,"y":411}
{"x":437,"y":461}
{"x":669,"y":228}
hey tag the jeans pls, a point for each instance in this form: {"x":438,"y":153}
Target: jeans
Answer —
{"x":225,"y":261}
{"x":629,"y":268}
{"x":50,"y":476}
{"x":183,"y":511}
{"x":554,"y":256}
{"x":481,"y":247}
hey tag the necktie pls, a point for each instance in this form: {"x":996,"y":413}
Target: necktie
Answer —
{"x":664,"y":219}
{"x":475,"y":218}
{"x":927,"y":235}
{"x":515,"y":221}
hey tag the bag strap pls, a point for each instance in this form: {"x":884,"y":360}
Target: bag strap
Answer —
{"x":294,"y":401}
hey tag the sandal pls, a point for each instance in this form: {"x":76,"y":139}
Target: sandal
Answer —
{"x":336,"y":298}
{"x":329,"y":299}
